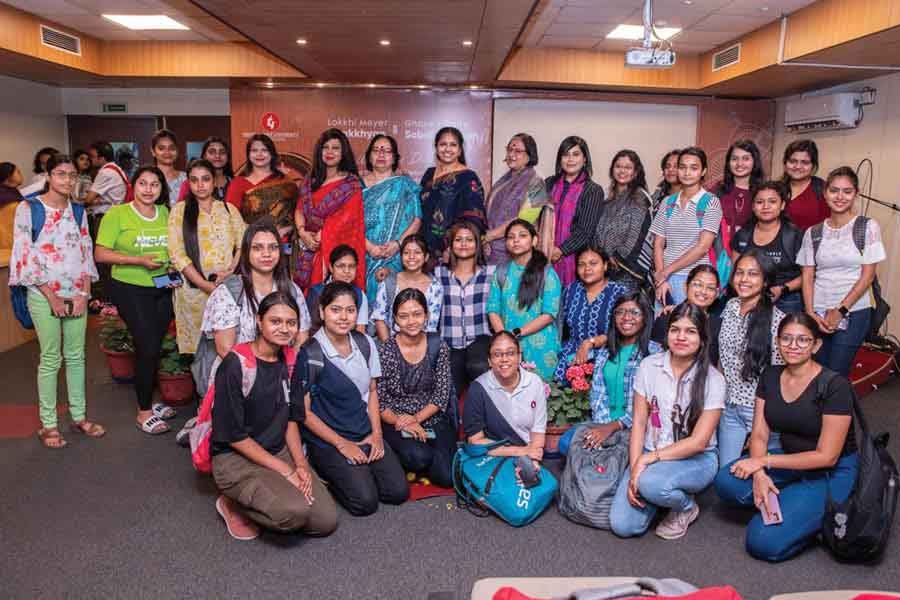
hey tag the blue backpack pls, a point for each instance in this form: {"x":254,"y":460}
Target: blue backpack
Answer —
{"x":19,"y":293}
{"x":718,"y":252}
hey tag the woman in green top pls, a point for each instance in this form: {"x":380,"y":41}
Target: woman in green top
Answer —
{"x":527,"y":302}
{"x":134,"y":239}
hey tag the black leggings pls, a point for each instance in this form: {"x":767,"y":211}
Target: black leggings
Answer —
{"x":432,"y":457}
{"x":147,"y":311}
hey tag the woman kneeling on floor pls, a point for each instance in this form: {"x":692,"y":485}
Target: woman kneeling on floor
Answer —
{"x":342,"y":410}
{"x":415,"y":390}
{"x":678,"y":399}
{"x":507,"y":403}
{"x":811,"y":407}
{"x":257,"y":457}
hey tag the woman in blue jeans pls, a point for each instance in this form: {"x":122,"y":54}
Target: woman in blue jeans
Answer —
{"x":811,"y":407}
{"x":678,"y":398}
{"x":839,"y":258}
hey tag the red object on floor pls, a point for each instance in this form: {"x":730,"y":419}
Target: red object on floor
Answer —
{"x":711,"y":593}
{"x":419,"y":491}
{"x":20,"y":421}
{"x":870,"y":369}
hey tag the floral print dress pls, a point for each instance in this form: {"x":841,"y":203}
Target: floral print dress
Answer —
{"x":383,"y":309}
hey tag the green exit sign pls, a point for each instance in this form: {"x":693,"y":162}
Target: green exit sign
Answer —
{"x":115,"y":108}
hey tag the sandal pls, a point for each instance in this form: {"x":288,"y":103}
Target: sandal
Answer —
{"x":92,"y":430}
{"x":163,"y":411}
{"x":153,"y":426}
{"x":51,"y":438}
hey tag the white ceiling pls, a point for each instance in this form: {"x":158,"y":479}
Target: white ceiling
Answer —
{"x":705,"y":24}
{"x":84,"y":16}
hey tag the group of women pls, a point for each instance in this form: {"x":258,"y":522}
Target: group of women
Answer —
{"x":463,"y":293}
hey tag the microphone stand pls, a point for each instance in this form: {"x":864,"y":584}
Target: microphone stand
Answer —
{"x":890,"y":205}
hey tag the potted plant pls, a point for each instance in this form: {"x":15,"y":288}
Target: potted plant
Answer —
{"x":568,"y":404}
{"x":176,"y":384}
{"x":118,"y":345}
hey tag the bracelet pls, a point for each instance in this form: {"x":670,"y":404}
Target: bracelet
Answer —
{"x":84,"y":294}
{"x":768,"y":461}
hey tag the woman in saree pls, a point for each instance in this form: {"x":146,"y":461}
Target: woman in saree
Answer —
{"x":392,"y":211}
{"x":329,"y":211}
{"x":261,"y":189}
{"x":450,"y":191}
{"x":521,"y":194}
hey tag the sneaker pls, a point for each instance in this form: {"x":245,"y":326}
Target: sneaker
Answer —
{"x":676,"y":523}
{"x":239,"y":527}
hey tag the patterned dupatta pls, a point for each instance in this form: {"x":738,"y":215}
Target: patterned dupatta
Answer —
{"x":274,"y":196}
{"x":514,"y":195}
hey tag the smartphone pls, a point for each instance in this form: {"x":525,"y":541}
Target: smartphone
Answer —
{"x":429,"y":434}
{"x":528,"y":473}
{"x":366,"y":448}
{"x":166,"y":280}
{"x":772,"y":516}
{"x":842,"y":325}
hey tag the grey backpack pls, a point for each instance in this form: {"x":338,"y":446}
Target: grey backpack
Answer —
{"x":588,"y":483}
{"x":205,"y":356}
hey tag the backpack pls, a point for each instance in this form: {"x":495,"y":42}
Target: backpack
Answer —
{"x":857,"y":529}
{"x":718,"y":252}
{"x":19,"y":293}
{"x":202,"y":432}
{"x":881,"y":308}
{"x":129,"y":191}
{"x":205,"y":356}
{"x":589,"y":482}
{"x":316,"y":357}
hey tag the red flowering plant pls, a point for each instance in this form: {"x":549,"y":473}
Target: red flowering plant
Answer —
{"x":570,"y":402}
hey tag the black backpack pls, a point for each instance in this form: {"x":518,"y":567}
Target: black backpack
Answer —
{"x":857,"y":529}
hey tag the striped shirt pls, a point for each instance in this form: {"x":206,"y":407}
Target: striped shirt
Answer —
{"x":682,"y":231}
{"x":464,"y":311}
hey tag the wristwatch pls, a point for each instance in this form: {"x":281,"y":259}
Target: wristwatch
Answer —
{"x":843,"y":310}
{"x":517,"y":332}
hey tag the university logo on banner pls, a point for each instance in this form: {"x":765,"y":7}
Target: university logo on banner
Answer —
{"x":270,"y":121}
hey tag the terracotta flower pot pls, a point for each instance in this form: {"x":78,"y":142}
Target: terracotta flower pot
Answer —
{"x":176,"y":390}
{"x":551,"y":439}
{"x":121,"y":365}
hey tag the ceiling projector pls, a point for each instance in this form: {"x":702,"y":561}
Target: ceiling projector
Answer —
{"x":649,"y":58}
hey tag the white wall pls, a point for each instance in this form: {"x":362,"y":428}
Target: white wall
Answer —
{"x":147,"y":101}
{"x":651,"y":130}
{"x":31,"y":117}
{"x":878,"y":139}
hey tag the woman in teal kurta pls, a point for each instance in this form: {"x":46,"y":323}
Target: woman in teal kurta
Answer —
{"x":524,"y":298}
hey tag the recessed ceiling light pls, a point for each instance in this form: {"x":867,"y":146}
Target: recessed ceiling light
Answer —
{"x":636,"y":32}
{"x":371,"y":85}
{"x":385,"y":42}
{"x":764,"y":8}
{"x":474,"y":87}
{"x":320,"y":84}
{"x":687,"y":2}
{"x":146,"y":22}
{"x":421,"y":87}
{"x":467,"y":42}
{"x":301,"y":41}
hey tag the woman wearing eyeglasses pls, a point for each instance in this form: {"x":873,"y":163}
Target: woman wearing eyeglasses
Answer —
{"x":811,"y":407}
{"x":392,"y":211}
{"x":702,"y":291}
{"x":520,"y":193}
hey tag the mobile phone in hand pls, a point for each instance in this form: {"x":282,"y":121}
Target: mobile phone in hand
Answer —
{"x":772,"y":516}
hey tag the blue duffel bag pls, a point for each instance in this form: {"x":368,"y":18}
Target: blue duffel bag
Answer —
{"x":487,"y":484}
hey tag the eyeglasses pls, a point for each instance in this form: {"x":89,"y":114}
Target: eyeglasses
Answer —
{"x":516,"y":151}
{"x":73,"y":175}
{"x":508,"y":354}
{"x":628,"y":312}
{"x":802,"y":341}
{"x":699,"y":287}
{"x":382,"y":151}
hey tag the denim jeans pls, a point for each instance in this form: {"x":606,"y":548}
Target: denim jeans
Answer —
{"x":839,"y":348}
{"x":802,"y":502}
{"x":734,"y":426}
{"x":666,"y":484}
{"x":790,"y":303}
{"x":678,"y":283}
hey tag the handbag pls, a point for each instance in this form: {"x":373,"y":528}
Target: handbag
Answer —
{"x":487,"y":484}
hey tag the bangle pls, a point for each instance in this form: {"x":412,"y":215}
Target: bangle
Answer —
{"x":768,"y":461}
{"x":84,"y":294}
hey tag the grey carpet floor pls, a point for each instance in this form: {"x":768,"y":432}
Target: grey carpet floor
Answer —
{"x":127,"y":517}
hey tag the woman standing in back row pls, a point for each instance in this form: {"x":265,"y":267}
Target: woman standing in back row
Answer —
{"x":807,"y":205}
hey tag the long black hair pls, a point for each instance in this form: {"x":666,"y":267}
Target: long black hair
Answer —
{"x":192,"y":212}
{"x":78,"y":154}
{"x":566,"y":145}
{"x":758,"y":341}
{"x":280,"y":276}
{"x":757,"y":175}
{"x":639,"y":182}
{"x":664,"y":185}
{"x":459,"y":140}
{"x":347,"y":164}
{"x":7,"y":169}
{"x":274,"y":159}
{"x":614,"y":338}
{"x":227,"y":170}
{"x":697,"y":393}
{"x":533,"y":276}
{"x":163,"y":198}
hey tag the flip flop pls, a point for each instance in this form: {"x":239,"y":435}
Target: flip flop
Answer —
{"x":153,"y":426}
{"x":164,"y":411}
{"x":51,"y":438}
{"x":91,"y":430}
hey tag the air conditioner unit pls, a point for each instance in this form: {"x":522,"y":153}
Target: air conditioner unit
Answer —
{"x":816,"y":113}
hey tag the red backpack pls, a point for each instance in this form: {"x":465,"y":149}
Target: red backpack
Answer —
{"x":202,"y":431}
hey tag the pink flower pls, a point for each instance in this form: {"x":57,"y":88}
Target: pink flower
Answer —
{"x":574,"y":372}
{"x":546,"y":390}
{"x":580,"y":385}
{"x":588,"y":368}
{"x":530,"y":366}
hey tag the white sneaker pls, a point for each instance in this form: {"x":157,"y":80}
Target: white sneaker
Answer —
{"x":676,"y":523}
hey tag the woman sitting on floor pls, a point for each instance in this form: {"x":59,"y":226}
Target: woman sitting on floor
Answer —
{"x":257,"y":455}
{"x":342,"y":409}
{"x":415,"y":390}
{"x":612,"y":390}
{"x":678,"y":398}
{"x":811,"y":407}
{"x":507,"y":403}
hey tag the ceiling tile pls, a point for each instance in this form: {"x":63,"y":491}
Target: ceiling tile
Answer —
{"x":47,"y":7}
{"x":603,"y":14}
{"x":707,"y":38}
{"x":549,"y":41}
{"x":732,"y":23}
{"x":775,"y":8}
{"x":580,"y":29}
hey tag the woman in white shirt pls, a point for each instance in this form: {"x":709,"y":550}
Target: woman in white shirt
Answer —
{"x":678,"y":399}
{"x":839,"y":258}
